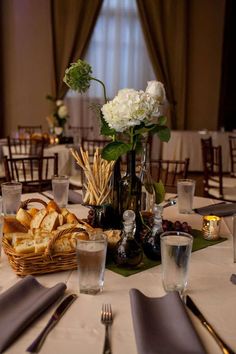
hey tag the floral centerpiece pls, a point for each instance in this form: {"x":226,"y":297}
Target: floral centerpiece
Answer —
{"x":129,"y":116}
{"x":59,"y":117}
{"x":126,"y":119}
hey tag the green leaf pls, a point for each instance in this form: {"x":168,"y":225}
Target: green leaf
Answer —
{"x":159,"y":189}
{"x":164,"y":133}
{"x":105,"y":129}
{"x":162,"y":120}
{"x":114,"y":150}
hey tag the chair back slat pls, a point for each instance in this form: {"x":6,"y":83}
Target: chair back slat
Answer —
{"x":34,"y":172}
{"x":25,"y":147}
{"x":169,"y":171}
{"x":232,"y":149}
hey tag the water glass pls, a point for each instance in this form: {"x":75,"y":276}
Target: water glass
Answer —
{"x":11,"y":197}
{"x":185,"y":191}
{"x":176,"y":250}
{"x":60,"y":188}
{"x":1,"y":226}
{"x":91,"y":257}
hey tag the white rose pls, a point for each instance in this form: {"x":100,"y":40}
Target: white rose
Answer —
{"x":157,"y":90}
{"x":62,"y":111}
{"x":59,"y":103}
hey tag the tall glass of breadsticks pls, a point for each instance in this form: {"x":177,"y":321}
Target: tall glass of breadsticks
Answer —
{"x":97,"y":174}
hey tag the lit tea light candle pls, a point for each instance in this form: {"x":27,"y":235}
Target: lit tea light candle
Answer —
{"x":211,"y":227}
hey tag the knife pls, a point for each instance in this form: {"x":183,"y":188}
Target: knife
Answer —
{"x":59,"y":312}
{"x":224,"y":347}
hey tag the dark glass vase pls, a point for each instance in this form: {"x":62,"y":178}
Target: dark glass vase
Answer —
{"x":116,"y":177}
{"x":130,"y":188}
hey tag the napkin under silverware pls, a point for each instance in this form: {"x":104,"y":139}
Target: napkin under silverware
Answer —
{"x":162,"y":325}
{"x":233,"y":279}
{"x":22,"y":304}
{"x":219,"y":209}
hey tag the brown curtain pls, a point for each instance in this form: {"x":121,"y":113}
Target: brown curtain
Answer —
{"x":72,"y":23}
{"x":164,"y":24}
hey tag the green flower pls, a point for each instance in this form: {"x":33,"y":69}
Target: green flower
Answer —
{"x":78,"y":76}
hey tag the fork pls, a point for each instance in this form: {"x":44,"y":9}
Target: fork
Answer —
{"x":106,"y":319}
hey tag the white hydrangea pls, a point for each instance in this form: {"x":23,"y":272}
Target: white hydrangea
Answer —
{"x":129,"y":108}
{"x":62,"y":111}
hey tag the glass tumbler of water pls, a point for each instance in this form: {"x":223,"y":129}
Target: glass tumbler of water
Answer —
{"x":176,"y":248}
{"x":185,"y":191}
{"x":11,"y":197}
{"x":91,"y":257}
{"x":60,"y":189}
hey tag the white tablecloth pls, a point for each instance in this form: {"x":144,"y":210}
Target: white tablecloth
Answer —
{"x":80,"y":330}
{"x":187,"y":144}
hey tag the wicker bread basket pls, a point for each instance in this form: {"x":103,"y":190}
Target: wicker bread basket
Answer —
{"x":41,"y":263}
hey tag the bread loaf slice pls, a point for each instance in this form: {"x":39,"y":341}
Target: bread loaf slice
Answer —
{"x":32,"y":211}
{"x":41,"y":241}
{"x":52,"y":206}
{"x":11,"y":224}
{"x":50,"y":222}
{"x":25,"y":245}
{"x":23,"y":217}
{"x":63,"y":245}
{"x":38,"y":218}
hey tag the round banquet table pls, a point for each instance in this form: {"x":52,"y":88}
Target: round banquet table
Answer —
{"x":187,"y":144}
{"x":80,"y":330}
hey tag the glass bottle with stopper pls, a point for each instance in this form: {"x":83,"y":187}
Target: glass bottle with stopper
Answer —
{"x":151,"y":243}
{"x":128,"y":253}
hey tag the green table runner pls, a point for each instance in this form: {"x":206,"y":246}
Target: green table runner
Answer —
{"x":198,"y":243}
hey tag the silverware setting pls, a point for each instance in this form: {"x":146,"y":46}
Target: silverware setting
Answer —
{"x":192,"y":306}
{"x":107,"y":319}
{"x":58,"y":313}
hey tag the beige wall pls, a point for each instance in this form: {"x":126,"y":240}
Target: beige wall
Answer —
{"x":204,"y":72}
{"x":27,"y":62}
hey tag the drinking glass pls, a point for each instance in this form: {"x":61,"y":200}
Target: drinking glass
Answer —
{"x":1,"y":226}
{"x":176,"y":250}
{"x":185,"y":191}
{"x":11,"y":197}
{"x":91,"y":257}
{"x":60,"y":188}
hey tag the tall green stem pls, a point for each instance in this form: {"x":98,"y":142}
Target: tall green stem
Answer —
{"x":103,"y":86}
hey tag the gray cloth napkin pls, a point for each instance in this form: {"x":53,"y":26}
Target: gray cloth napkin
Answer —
{"x":23,"y":303}
{"x":233,"y":279}
{"x":219,"y":209}
{"x":162,"y":325}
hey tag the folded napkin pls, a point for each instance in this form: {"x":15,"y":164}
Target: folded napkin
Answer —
{"x":74,"y":197}
{"x":233,"y":278}
{"x":23,"y":303}
{"x":219,"y":209}
{"x":162,"y":325}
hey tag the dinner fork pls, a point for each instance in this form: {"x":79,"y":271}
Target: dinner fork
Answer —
{"x":106,"y":319}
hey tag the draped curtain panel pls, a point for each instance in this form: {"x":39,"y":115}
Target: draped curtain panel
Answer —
{"x":72,"y":23}
{"x":165,"y":27}
{"x":121,"y":61}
